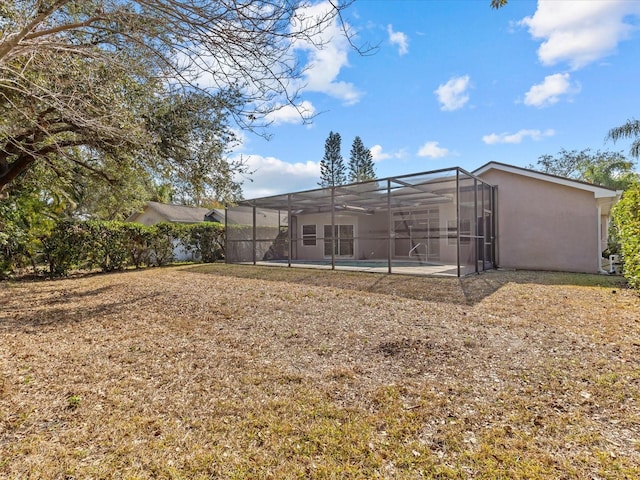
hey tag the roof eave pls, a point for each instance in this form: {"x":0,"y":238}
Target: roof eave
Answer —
{"x":598,"y":191}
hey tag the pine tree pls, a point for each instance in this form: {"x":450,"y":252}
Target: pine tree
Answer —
{"x":332,"y":169}
{"x":360,"y":163}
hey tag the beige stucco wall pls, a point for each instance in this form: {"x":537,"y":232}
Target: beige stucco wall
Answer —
{"x":545,"y":226}
{"x":316,"y":252}
{"x":371,"y":235}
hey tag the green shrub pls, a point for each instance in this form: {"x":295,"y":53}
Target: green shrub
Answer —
{"x":66,"y":247}
{"x":138,"y":239}
{"x":107,"y":246}
{"x":12,"y":239}
{"x":110,"y":245}
{"x":23,"y":224}
{"x":162,"y":243}
{"x":626,"y":218}
{"x":206,"y":240}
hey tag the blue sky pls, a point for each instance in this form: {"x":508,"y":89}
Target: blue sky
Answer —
{"x":456,"y":83}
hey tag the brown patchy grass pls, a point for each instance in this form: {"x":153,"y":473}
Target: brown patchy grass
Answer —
{"x":236,"y":372}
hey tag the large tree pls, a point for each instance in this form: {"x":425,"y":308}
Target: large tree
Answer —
{"x":193,"y":138}
{"x":188,"y":152}
{"x":608,"y":169}
{"x":332,"y":168}
{"x":361,"y":166}
{"x":85,"y":73}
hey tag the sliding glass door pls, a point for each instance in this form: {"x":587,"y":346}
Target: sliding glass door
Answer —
{"x":342,"y":243}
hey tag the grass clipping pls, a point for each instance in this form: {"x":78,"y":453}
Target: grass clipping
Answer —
{"x":245,"y":372}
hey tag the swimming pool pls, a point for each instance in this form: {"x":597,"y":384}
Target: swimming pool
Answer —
{"x":370,"y":265}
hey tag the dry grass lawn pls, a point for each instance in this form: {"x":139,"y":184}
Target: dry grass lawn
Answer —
{"x":237,"y":372}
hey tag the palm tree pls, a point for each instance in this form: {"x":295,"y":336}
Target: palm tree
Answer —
{"x":631,"y":129}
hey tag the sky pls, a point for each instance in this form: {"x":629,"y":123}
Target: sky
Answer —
{"x":454,"y":83}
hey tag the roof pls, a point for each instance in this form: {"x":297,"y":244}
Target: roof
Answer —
{"x":215,"y":215}
{"x":597,"y":190}
{"x":175,"y":213}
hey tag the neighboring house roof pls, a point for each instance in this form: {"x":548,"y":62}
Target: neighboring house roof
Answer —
{"x":173,"y":213}
{"x":597,"y":190}
{"x":215,"y":215}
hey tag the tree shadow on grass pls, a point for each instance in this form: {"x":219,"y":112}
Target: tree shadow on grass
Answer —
{"x":35,"y":310}
{"x":459,"y":291}
{"x":434,"y":289}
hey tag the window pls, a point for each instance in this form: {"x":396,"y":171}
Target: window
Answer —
{"x":343,"y":244}
{"x":309,"y":235}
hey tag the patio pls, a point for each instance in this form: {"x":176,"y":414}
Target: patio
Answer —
{"x":430,"y":223}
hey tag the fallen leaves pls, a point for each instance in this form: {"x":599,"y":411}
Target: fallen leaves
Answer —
{"x":240,"y":372}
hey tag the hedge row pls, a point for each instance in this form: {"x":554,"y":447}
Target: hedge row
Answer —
{"x":626,"y":218}
{"x":112,"y":245}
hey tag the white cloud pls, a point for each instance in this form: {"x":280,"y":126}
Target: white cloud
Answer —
{"x":400,"y":39}
{"x":324,"y":64}
{"x":272,"y":176}
{"x":291,"y":114}
{"x":432,"y":150}
{"x":453,"y":94}
{"x":517,"y":137}
{"x":580,"y":32}
{"x":378,"y":155}
{"x":549,"y":91}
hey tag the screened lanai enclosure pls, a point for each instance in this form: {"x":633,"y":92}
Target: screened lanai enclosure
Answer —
{"x":431,"y":223}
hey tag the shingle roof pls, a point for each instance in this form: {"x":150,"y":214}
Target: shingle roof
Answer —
{"x":215,"y":215}
{"x":179,"y":213}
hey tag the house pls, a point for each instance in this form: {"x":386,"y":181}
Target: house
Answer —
{"x":548,"y":222}
{"x":156,"y":212}
{"x":447,"y":222}
{"x":423,"y":223}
